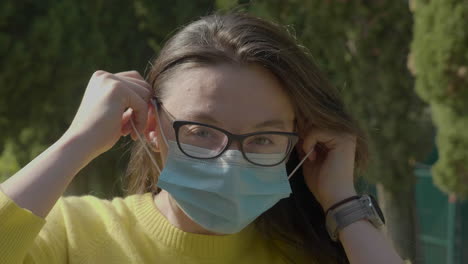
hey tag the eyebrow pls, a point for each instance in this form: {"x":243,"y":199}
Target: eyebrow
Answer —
{"x":277,"y":123}
{"x":274,"y":123}
{"x":200,"y":117}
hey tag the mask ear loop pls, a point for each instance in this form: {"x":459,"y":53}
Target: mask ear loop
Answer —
{"x":300,"y":163}
{"x":145,"y":147}
{"x":159,"y":122}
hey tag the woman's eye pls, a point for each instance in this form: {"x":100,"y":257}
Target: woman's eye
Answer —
{"x":262,"y":141}
{"x":200,"y":133}
{"x":203,"y":133}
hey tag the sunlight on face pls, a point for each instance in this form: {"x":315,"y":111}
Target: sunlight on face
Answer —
{"x":239,"y":99}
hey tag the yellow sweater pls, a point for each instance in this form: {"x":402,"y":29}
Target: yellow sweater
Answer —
{"x":131,"y":230}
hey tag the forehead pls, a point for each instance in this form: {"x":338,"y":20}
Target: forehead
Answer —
{"x":238,"y":97}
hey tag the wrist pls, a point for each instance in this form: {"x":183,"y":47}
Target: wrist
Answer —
{"x":77,"y":146}
{"x":329,"y":200}
{"x":351,"y":210}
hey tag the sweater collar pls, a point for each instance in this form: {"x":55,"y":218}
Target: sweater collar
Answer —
{"x":197,"y":245}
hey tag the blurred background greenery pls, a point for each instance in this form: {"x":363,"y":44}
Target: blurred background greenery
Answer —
{"x":402,"y":67}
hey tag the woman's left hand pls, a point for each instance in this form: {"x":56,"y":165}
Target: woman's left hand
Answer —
{"x":329,"y":170}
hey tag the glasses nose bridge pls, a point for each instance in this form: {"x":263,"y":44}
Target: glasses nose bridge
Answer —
{"x":235,"y":141}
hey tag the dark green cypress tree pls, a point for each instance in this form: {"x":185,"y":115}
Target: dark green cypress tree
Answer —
{"x":440,"y":63}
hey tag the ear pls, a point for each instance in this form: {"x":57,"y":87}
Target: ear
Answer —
{"x":151,"y":125}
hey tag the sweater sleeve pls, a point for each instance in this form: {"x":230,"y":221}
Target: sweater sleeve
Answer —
{"x":27,"y":238}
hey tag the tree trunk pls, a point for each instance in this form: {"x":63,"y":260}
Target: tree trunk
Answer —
{"x":399,"y":208}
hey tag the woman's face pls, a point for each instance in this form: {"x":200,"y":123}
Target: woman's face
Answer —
{"x":239,"y":99}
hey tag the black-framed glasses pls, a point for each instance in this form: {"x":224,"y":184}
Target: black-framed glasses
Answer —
{"x":204,"y":141}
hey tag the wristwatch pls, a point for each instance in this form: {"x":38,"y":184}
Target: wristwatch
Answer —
{"x":352,"y":210}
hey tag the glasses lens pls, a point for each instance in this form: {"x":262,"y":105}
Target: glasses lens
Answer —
{"x":201,"y":141}
{"x":267,"y":148}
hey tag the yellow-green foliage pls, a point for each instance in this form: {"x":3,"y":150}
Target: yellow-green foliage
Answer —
{"x":8,"y":162}
{"x":440,"y":59}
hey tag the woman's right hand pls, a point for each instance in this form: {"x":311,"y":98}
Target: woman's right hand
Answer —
{"x":108,"y":104}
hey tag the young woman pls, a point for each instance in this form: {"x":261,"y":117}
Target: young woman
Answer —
{"x":231,"y":108}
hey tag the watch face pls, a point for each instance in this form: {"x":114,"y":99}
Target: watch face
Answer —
{"x":377,"y":208}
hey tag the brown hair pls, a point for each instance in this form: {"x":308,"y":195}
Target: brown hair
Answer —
{"x":240,"y":38}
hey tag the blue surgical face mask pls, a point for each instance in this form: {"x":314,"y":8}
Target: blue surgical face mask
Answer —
{"x":225,"y":194}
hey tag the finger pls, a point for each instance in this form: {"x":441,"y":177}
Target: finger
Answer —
{"x":309,"y":144}
{"x":318,"y":137}
{"x":313,"y":156}
{"x":126,"y":127}
{"x":126,"y":130}
{"x":143,"y":92}
{"x":142,"y":83}
{"x":99,"y":73}
{"x":131,"y":74}
{"x":140,"y":112}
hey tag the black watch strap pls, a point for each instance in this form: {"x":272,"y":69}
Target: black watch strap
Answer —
{"x":355,"y":197}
